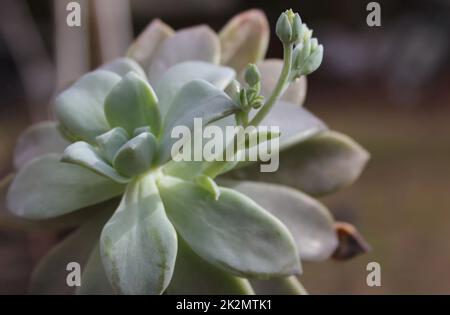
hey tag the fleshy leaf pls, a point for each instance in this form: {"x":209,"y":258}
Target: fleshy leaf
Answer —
{"x":177,"y":76}
{"x":242,"y":237}
{"x":39,"y":139}
{"x":136,"y":156}
{"x":94,"y":280}
{"x":193,"y":275}
{"x":110,"y":142}
{"x":50,"y":276}
{"x":279,"y":286}
{"x":46,"y":188}
{"x":122,"y":66}
{"x":197,"y":99}
{"x":131,"y":104}
{"x":310,"y":223}
{"x":144,"y":47}
{"x":71,"y":220}
{"x":80,"y":107}
{"x":85,"y":155}
{"x":296,"y":123}
{"x":194,"y":43}
{"x":320,"y":165}
{"x":138,"y":244}
{"x":209,"y":185}
{"x":244,"y":39}
{"x":270,"y":71}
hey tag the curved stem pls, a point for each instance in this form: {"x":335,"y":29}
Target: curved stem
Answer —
{"x":282,"y":80}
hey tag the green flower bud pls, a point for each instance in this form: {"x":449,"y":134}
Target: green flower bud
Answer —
{"x":297,"y":28}
{"x":314,"y":44}
{"x":252,"y":75}
{"x":313,"y":61}
{"x":291,"y":15}
{"x":284,"y":29}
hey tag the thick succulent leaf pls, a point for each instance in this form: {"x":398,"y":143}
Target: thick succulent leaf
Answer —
{"x":131,"y":104}
{"x":321,"y":165}
{"x":94,"y":280}
{"x":110,"y":142}
{"x":85,"y":155}
{"x":80,"y":107}
{"x":46,"y":188}
{"x":233,"y":233}
{"x":139,"y":244}
{"x":178,"y":75}
{"x":39,"y":139}
{"x":278,"y":286}
{"x":50,"y":276}
{"x":194,"y":43}
{"x":244,"y":39}
{"x":197,"y":99}
{"x":270,"y":71}
{"x":73,"y":219}
{"x":136,"y":156}
{"x":296,"y":123}
{"x":144,"y":47}
{"x":310,"y":223}
{"x":193,"y":275}
{"x":122,"y":66}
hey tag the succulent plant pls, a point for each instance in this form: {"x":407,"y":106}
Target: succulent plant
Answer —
{"x":147,"y":224}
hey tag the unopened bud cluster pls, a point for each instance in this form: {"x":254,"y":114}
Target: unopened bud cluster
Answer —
{"x":308,"y":54}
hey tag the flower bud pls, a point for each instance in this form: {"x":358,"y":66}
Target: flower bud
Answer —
{"x":297,"y":28}
{"x":314,"y":61}
{"x":284,"y":29}
{"x":252,"y":75}
{"x":314,"y":44}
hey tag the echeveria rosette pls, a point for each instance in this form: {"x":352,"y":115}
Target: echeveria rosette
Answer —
{"x":99,"y":130}
{"x":119,"y":148}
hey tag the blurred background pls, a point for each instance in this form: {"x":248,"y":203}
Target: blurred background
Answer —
{"x":388,"y":87}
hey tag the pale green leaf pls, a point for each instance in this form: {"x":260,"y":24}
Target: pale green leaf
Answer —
{"x":71,"y":220}
{"x":122,"y":66}
{"x":136,"y":156}
{"x":194,"y":43}
{"x":309,"y":222}
{"x":244,"y":39}
{"x":46,"y":188}
{"x":39,"y":139}
{"x":80,"y":107}
{"x":296,"y":123}
{"x":131,"y":104}
{"x":85,"y":155}
{"x":177,"y":76}
{"x":193,"y":275}
{"x":139,"y":244}
{"x":241,"y":237}
{"x":321,"y":165}
{"x":110,"y":142}
{"x":197,"y":99}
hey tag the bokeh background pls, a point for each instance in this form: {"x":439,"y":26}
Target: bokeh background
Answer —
{"x":388,"y":87}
